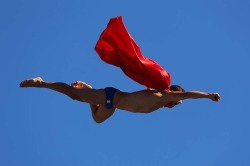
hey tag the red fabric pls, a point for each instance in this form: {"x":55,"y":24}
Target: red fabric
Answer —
{"x":117,"y":47}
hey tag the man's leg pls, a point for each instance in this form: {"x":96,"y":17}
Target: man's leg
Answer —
{"x":91,"y":96}
{"x":99,"y":112}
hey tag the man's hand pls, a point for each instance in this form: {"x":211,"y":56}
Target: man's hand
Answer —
{"x":214,"y":96}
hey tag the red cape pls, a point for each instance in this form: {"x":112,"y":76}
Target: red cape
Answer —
{"x":117,"y":47}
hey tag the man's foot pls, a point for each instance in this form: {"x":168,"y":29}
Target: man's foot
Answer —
{"x":34,"y":82}
{"x":81,"y":85}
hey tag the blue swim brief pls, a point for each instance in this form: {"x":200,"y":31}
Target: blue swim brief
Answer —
{"x":110,"y":93}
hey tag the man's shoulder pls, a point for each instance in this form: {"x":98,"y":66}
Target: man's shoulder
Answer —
{"x":166,"y":91}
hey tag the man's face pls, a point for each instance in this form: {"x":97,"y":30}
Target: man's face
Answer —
{"x":178,"y":102}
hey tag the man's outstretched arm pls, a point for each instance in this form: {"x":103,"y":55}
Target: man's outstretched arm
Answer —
{"x":176,"y":95}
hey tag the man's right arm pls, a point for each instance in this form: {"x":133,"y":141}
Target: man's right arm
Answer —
{"x":176,"y":96}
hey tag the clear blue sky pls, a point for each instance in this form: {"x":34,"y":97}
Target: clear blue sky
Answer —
{"x":204,"y":44}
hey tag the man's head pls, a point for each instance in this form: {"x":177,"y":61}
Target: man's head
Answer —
{"x":175,"y":88}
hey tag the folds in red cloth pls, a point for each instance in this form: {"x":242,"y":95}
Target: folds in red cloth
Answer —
{"x":117,"y":47}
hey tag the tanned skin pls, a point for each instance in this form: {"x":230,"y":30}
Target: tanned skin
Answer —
{"x":144,"y":101}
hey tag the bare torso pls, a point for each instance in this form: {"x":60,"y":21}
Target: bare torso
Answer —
{"x":145,"y":101}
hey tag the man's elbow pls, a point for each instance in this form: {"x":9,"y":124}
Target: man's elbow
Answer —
{"x":97,"y":120}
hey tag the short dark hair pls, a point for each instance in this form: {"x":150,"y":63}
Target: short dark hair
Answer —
{"x":176,"y":88}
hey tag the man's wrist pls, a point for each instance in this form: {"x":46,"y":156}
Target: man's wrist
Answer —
{"x":210,"y":95}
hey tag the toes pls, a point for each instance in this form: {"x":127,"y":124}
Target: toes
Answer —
{"x":21,"y":84}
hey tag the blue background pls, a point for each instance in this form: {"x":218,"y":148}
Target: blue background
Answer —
{"x":204,"y":44}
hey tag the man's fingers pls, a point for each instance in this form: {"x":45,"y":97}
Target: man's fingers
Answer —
{"x":216,"y":96}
